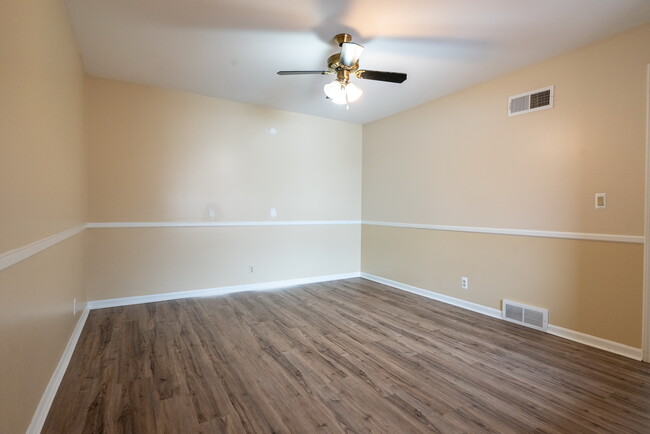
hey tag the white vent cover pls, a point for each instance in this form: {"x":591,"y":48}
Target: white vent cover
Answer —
{"x":525,"y":315}
{"x":532,"y":101}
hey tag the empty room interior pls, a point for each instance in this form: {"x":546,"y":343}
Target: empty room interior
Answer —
{"x":324,"y":216}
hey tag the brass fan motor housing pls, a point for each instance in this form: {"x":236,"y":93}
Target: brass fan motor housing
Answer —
{"x":342,"y":72}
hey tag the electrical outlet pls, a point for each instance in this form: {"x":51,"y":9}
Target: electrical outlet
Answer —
{"x":464,"y":282}
{"x":251,"y":269}
{"x":600,"y":200}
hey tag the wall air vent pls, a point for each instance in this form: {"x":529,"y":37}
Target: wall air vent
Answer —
{"x":532,"y":101}
{"x":525,"y":315}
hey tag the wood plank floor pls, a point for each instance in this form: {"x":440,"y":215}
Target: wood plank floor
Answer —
{"x":344,"y":356}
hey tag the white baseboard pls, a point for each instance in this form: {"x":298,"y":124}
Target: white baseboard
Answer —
{"x":50,"y":391}
{"x":209,"y":292}
{"x":494,"y":313}
{"x":593,"y":341}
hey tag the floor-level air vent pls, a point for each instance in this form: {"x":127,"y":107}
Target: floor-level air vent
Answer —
{"x":532,"y":101}
{"x":525,"y":315}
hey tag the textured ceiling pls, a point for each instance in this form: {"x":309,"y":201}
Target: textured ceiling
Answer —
{"x":232,"y":49}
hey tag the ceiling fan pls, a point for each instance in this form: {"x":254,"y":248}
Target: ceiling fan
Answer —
{"x":346,"y":64}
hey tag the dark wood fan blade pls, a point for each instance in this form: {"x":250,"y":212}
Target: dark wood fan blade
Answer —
{"x":392,"y":77}
{"x":302,"y":72}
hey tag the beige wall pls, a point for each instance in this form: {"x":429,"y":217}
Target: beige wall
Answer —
{"x":156,"y":155}
{"x":41,"y":124}
{"x":36,"y":321}
{"x":42,"y":192}
{"x":160,"y":155}
{"x":461,"y":161}
{"x":588,"y":286}
{"x":128,"y":262}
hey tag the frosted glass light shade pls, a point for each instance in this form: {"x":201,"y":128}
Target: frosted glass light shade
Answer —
{"x":342,"y":94}
{"x":336,"y":92}
{"x":353,"y":92}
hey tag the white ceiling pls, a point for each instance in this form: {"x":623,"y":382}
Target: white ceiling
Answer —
{"x":232,"y":49}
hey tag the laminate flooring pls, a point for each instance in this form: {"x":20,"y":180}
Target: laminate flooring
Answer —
{"x":344,"y":356}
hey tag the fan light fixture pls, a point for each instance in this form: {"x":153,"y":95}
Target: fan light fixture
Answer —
{"x":345,"y":65}
{"x":342,"y":93}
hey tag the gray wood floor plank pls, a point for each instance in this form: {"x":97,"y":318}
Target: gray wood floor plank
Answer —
{"x":343,"y":356}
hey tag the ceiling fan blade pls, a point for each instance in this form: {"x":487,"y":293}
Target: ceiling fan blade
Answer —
{"x":350,"y":53}
{"x":392,"y":77}
{"x":302,"y":72}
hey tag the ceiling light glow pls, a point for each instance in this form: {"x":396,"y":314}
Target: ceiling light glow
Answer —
{"x":341,"y":93}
